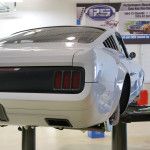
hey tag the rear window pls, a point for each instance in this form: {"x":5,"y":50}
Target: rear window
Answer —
{"x":55,"y":34}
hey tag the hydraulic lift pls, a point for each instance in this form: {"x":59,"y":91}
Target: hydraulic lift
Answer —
{"x":28,"y":138}
{"x":134,"y":113}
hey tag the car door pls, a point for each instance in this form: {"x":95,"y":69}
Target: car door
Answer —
{"x":132,"y":68}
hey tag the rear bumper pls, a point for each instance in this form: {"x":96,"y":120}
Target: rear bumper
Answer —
{"x":80,"y":110}
{"x":47,"y":101}
{"x":34,"y":118}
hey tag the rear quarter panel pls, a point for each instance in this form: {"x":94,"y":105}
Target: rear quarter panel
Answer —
{"x":102,"y":67}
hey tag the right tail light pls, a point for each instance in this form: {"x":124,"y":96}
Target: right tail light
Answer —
{"x":68,"y":80}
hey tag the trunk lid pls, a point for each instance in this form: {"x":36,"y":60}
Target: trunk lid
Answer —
{"x":36,"y":55}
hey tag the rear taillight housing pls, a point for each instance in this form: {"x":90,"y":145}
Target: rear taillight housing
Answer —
{"x":69,"y":80}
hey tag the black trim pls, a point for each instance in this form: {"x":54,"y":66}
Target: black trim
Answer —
{"x":3,"y":115}
{"x":35,"y":79}
{"x":59,"y":27}
{"x":58,"y":122}
{"x":121,"y":42}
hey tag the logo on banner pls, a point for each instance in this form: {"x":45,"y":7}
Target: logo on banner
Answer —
{"x":101,"y":12}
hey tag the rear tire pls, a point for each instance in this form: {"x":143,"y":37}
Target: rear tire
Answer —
{"x":125,"y":95}
{"x":124,"y":100}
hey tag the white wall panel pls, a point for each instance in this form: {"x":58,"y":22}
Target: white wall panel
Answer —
{"x":145,"y":61}
{"x":37,"y":13}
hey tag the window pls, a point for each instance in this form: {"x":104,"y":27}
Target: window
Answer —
{"x":110,"y":43}
{"x":56,"y":34}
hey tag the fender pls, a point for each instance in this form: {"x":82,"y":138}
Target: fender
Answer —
{"x":114,"y":73}
{"x":103,"y":67}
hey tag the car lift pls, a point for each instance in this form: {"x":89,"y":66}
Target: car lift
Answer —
{"x":28,"y":138}
{"x":134,"y":113}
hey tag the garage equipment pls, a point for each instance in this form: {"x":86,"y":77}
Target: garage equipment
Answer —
{"x":28,"y":138}
{"x":96,"y":134}
{"x":143,"y":98}
{"x":134,"y":113}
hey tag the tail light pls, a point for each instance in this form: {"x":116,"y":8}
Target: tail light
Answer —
{"x":58,"y":79}
{"x":76,"y":79}
{"x":68,"y":80}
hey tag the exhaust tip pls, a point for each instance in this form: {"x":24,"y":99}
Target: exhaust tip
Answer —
{"x":58,"y":122}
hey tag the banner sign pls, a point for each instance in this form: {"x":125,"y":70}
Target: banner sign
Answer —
{"x":132,"y":20}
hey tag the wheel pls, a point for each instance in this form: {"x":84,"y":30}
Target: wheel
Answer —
{"x":124,"y":99}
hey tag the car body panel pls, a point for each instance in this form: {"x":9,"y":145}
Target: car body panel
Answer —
{"x":105,"y":71}
{"x":37,"y":55}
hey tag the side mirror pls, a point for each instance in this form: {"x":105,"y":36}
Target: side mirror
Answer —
{"x":132,"y":55}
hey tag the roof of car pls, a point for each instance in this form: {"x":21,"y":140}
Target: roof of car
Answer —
{"x":101,"y":28}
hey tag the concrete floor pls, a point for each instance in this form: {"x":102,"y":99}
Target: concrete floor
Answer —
{"x":52,"y":139}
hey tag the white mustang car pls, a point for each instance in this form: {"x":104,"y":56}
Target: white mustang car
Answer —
{"x":66,"y":77}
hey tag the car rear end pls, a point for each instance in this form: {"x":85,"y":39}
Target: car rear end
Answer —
{"x":42,"y":86}
{"x":45,"y":94}
{"x":64,"y":96}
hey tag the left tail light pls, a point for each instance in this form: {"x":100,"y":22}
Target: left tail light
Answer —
{"x":68,"y":80}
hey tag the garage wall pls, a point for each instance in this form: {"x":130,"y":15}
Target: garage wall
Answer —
{"x":37,"y":13}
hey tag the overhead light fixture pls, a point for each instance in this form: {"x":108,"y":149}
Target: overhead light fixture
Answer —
{"x":8,"y":5}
